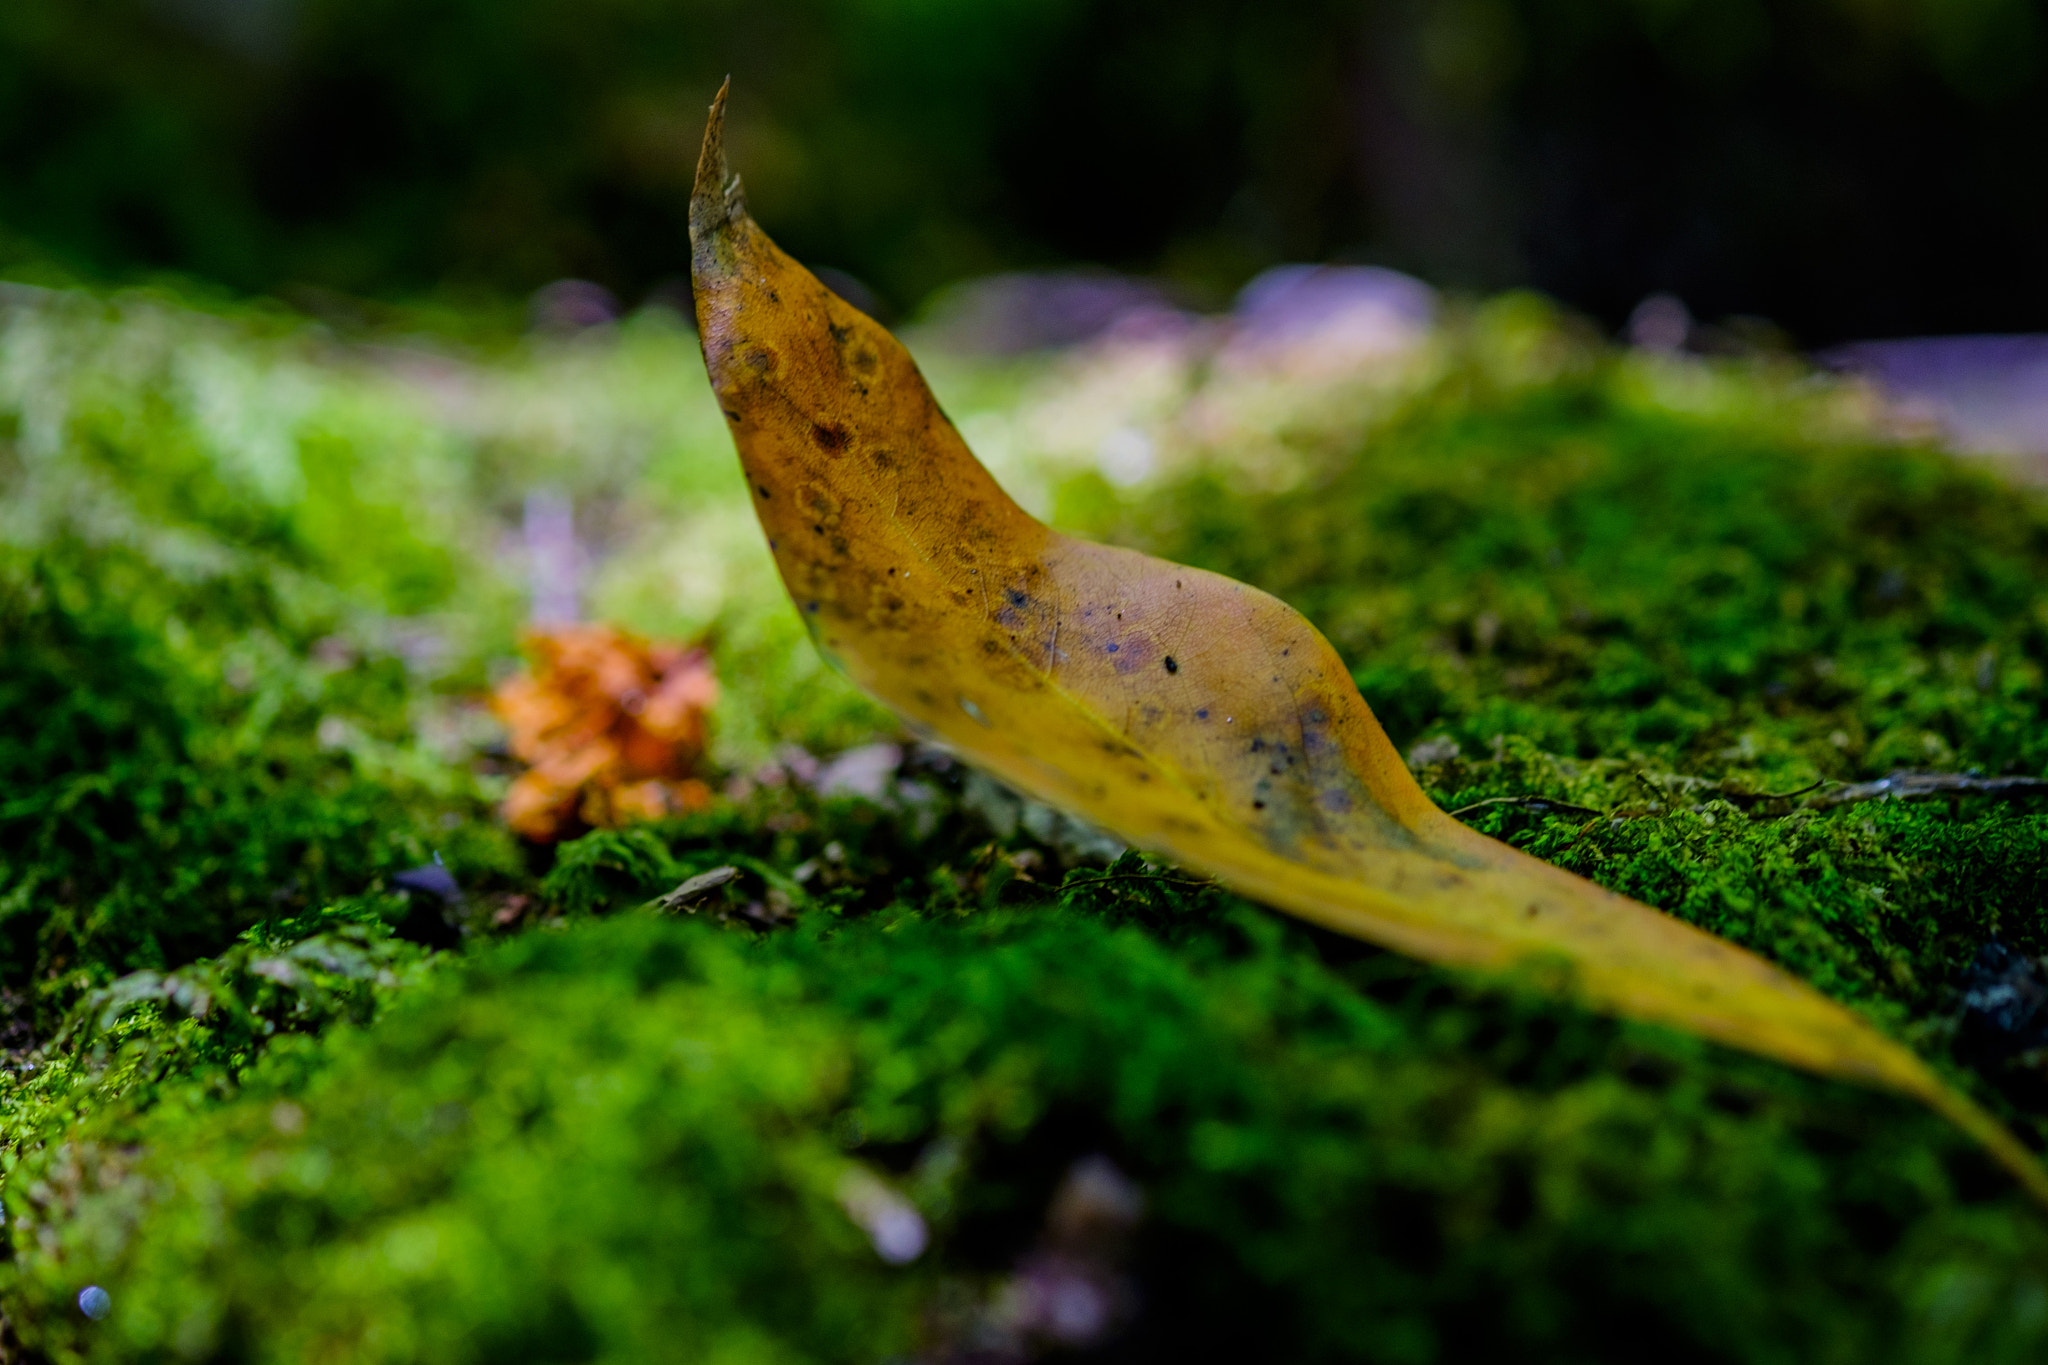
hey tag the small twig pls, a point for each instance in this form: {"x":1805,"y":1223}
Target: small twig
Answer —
{"x":1899,"y":786}
{"x":1144,"y":877}
{"x":1535,"y":803}
{"x":1746,"y":799}
{"x":1907,"y":786}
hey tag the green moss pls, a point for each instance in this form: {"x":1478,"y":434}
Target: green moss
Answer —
{"x":623,"y":1143}
{"x":275,"y":1132}
{"x":154,"y":809}
{"x":1605,"y":577}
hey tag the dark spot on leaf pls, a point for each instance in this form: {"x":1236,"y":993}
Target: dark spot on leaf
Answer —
{"x":1112,"y":648}
{"x":1171,"y":666}
{"x":829,"y":438}
{"x":730,"y":415}
{"x":1202,"y":714}
{"x":763,"y":491}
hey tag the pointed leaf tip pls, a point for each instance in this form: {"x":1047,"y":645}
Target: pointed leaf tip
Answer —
{"x":715,"y":198}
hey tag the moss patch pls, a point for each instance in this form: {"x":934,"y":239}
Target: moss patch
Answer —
{"x":273,"y":1130}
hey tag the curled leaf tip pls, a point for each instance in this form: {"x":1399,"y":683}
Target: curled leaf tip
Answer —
{"x":715,"y":198}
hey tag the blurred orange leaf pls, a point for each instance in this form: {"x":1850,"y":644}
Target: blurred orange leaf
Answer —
{"x":611,"y":729}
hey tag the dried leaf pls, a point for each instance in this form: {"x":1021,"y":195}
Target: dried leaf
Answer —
{"x":611,"y":729}
{"x":1191,"y":715}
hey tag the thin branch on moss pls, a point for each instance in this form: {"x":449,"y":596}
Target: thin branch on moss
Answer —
{"x":1747,"y":799}
{"x":1145,"y":877}
{"x":1898,"y":786}
{"x":1907,"y":786}
{"x":1536,"y":803}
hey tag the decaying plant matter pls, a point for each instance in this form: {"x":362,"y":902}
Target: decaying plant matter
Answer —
{"x":611,"y":729}
{"x":1190,"y":714}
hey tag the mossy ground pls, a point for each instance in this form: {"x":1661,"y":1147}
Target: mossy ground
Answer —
{"x":273,"y":1127}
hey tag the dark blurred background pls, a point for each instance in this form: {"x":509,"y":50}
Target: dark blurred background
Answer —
{"x":1845,"y":168}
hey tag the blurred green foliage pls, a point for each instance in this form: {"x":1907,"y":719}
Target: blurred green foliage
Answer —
{"x":1586,"y":564}
{"x":249,"y":590}
{"x":1844,"y":168}
{"x":271,"y":1129}
{"x":207,"y":716}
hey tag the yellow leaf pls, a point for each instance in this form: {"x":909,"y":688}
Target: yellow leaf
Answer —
{"x":1190,"y":714}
